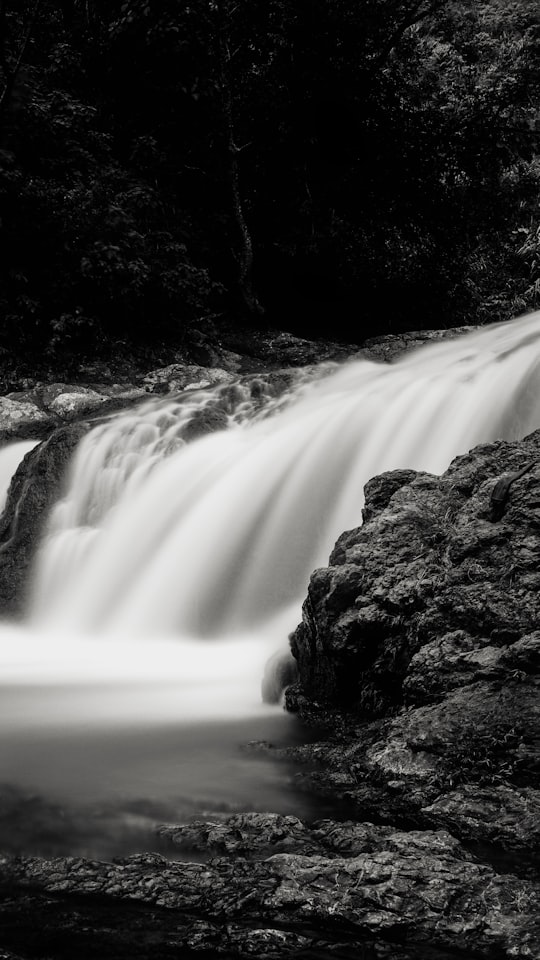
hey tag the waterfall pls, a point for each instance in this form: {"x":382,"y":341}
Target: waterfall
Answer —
{"x":215,"y":537}
{"x":10,"y":458}
{"x":174,"y":567}
{"x":184,"y":561}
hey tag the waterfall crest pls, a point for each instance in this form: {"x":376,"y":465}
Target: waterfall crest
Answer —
{"x":157,"y":536}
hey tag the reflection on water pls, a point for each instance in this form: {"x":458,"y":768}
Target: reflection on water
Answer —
{"x":100,"y":740}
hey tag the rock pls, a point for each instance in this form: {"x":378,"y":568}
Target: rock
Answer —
{"x":376,"y":889}
{"x":36,"y":486}
{"x":177,"y":377}
{"x":256,"y":835}
{"x":390,"y":347}
{"x":23,"y":420}
{"x":428,"y":572}
{"x":499,"y":815}
{"x":71,"y":403}
{"x":380,"y":490}
{"x":424,"y":627}
{"x":35,"y":413}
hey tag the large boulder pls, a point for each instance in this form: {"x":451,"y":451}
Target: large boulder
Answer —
{"x":420,"y":647}
{"x":431,"y":592}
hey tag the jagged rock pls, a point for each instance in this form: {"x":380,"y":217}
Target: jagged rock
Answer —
{"x":243,"y":834}
{"x":378,"y":887}
{"x":428,"y":565}
{"x":407,"y":890}
{"x":425,"y":627}
{"x":498,"y":814}
{"x":380,"y":490}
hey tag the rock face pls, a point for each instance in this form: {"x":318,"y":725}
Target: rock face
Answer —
{"x":425,"y":626}
{"x":431,"y":593}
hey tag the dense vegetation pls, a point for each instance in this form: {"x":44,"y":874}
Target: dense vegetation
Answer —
{"x":330,"y":166}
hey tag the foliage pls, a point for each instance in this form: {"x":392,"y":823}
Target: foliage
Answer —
{"x":379,"y":161}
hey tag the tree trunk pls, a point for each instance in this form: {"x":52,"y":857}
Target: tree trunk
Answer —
{"x":244,"y":255}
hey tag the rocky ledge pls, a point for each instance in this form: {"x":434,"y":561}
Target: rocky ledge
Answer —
{"x":283,"y":890}
{"x":426,"y":626}
{"x":33,"y":409}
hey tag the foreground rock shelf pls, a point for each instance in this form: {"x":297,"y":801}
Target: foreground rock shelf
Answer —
{"x":335,"y":889}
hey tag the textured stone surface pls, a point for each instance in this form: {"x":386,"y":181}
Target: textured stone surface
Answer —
{"x":36,"y":412}
{"x":385,"y":887}
{"x":429,"y":568}
{"x":177,"y":377}
{"x":391,"y":346}
{"x":425,"y":626}
{"x":22,"y":419}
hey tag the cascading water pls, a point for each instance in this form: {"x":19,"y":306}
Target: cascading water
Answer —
{"x":10,"y":458}
{"x":172,"y":569}
{"x":156,"y":537}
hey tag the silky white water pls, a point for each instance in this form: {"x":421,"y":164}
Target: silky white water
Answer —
{"x":156,"y":537}
{"x":171,"y":570}
{"x":10,"y":458}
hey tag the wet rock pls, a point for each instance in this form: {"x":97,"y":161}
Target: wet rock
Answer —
{"x":255,"y":835}
{"x":503,"y":816}
{"x":390,"y":347}
{"x":380,"y":490}
{"x":23,"y":420}
{"x":429,"y":579}
{"x":271,"y":349}
{"x":35,"y":413}
{"x":36,"y":486}
{"x":419,"y":651}
{"x":178,"y":377}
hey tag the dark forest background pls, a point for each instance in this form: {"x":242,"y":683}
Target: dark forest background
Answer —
{"x":333,"y":167}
